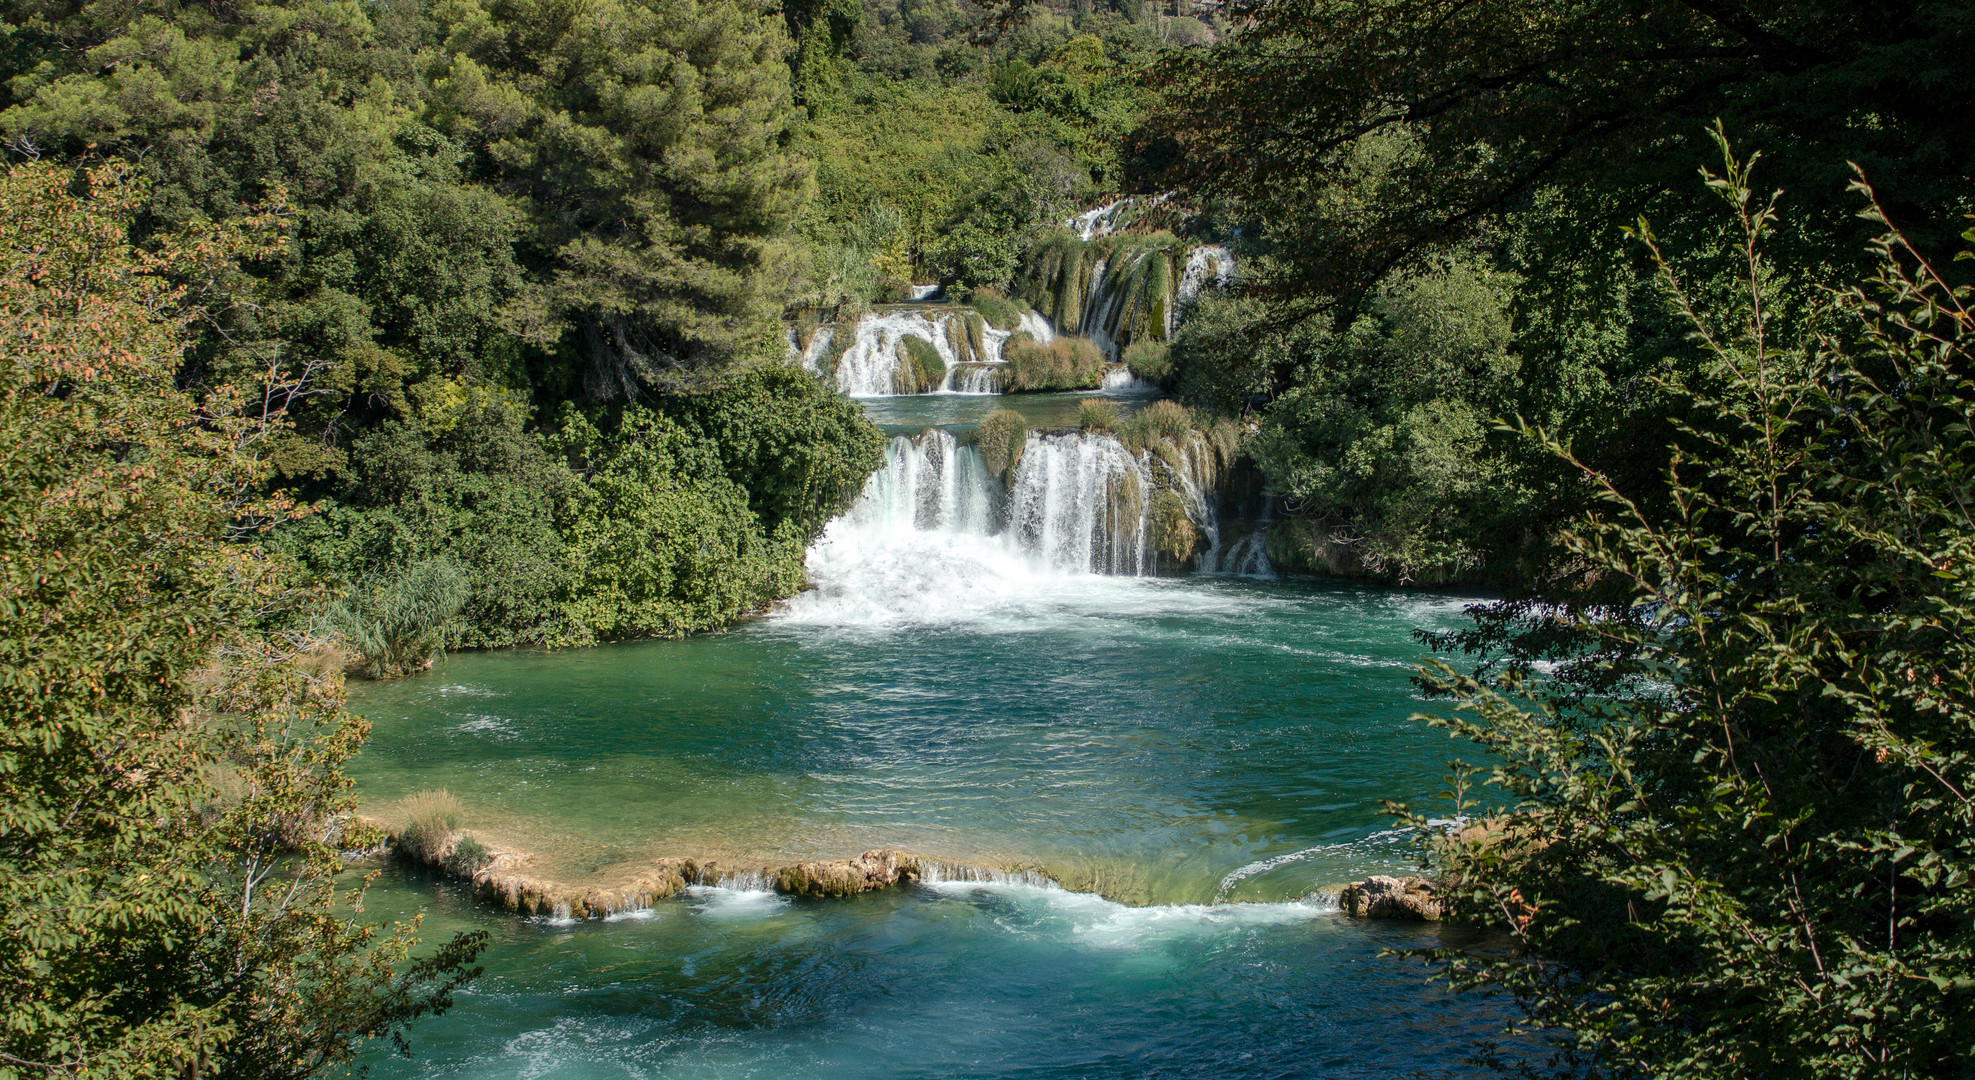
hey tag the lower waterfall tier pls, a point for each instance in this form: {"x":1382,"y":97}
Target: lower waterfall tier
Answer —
{"x":936,"y":526}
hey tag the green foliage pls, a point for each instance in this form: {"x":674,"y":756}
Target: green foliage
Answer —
{"x":462,"y":482}
{"x":398,"y":626}
{"x":1001,"y":312}
{"x":431,"y":818}
{"x":660,"y":538}
{"x":468,"y":857}
{"x":1002,"y":436}
{"x":1385,"y":442}
{"x":142,"y":933}
{"x":1150,"y":360}
{"x":801,"y":450}
{"x":1366,"y":132}
{"x":1097,"y":414}
{"x":923,"y":369}
{"x":1214,"y":361}
{"x":1733,"y":825}
{"x":1066,"y":363}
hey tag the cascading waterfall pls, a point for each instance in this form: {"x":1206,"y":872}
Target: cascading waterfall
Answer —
{"x":935,"y":531}
{"x":878,"y":361}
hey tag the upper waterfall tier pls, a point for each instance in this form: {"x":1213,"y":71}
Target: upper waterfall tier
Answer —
{"x":917,"y":351}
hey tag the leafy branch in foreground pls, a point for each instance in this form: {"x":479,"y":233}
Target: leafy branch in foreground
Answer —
{"x":1745,"y":849}
{"x":170,"y":774}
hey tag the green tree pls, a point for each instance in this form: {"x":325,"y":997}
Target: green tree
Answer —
{"x":169,"y":773}
{"x":661,"y":539}
{"x":1738,"y":812}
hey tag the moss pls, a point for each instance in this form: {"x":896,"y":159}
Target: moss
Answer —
{"x":920,"y":367}
{"x":1000,"y":311}
{"x":1173,"y":533}
{"x":1097,"y":414}
{"x":1002,"y":436}
{"x":1126,"y":500}
{"x":976,"y":336}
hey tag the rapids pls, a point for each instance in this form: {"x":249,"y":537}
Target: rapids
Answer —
{"x":1135,"y":786}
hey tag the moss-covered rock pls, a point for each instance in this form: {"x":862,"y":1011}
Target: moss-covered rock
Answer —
{"x":920,"y":367}
{"x":1002,"y":436}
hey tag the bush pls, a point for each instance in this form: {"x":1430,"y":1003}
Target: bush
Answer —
{"x":1002,"y":436}
{"x":1730,"y":832}
{"x":1149,"y":359}
{"x":430,"y":820}
{"x":1097,"y":414}
{"x":1067,"y":363}
{"x":801,"y":450}
{"x":660,"y":539}
{"x":467,"y":858}
{"x":397,"y":625}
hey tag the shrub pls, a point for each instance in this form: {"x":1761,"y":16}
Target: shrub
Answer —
{"x":467,"y":857}
{"x":1002,"y":436}
{"x":1149,"y":359}
{"x":1097,"y":414}
{"x":398,"y":625}
{"x":430,"y":820}
{"x":1066,"y":363}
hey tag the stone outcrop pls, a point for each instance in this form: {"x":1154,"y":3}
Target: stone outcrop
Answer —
{"x":846,"y":877}
{"x":1381,"y":897}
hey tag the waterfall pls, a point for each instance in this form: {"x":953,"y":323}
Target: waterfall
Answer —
{"x":878,"y":363}
{"x":1208,"y":262}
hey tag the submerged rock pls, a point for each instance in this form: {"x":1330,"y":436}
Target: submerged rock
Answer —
{"x":1381,"y":897}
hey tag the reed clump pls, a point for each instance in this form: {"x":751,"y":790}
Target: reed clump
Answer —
{"x":1161,"y":421}
{"x":1064,"y":364}
{"x":1097,"y":414}
{"x":1149,"y":359}
{"x":430,"y":820}
{"x":1002,"y":436}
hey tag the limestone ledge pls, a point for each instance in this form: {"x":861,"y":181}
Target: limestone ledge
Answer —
{"x":1381,"y":897}
{"x":503,"y":878}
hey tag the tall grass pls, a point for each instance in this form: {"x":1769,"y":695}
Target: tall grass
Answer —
{"x":397,"y":625}
{"x":430,"y":820}
{"x":1097,"y":414}
{"x":1066,"y":363}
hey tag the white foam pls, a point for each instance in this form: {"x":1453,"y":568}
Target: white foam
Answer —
{"x":726,"y":902}
{"x":1092,"y":920}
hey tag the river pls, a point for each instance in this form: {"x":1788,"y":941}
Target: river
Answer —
{"x":1159,"y":772}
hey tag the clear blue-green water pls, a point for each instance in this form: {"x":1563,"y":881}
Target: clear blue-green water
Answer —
{"x":1190,"y":758}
